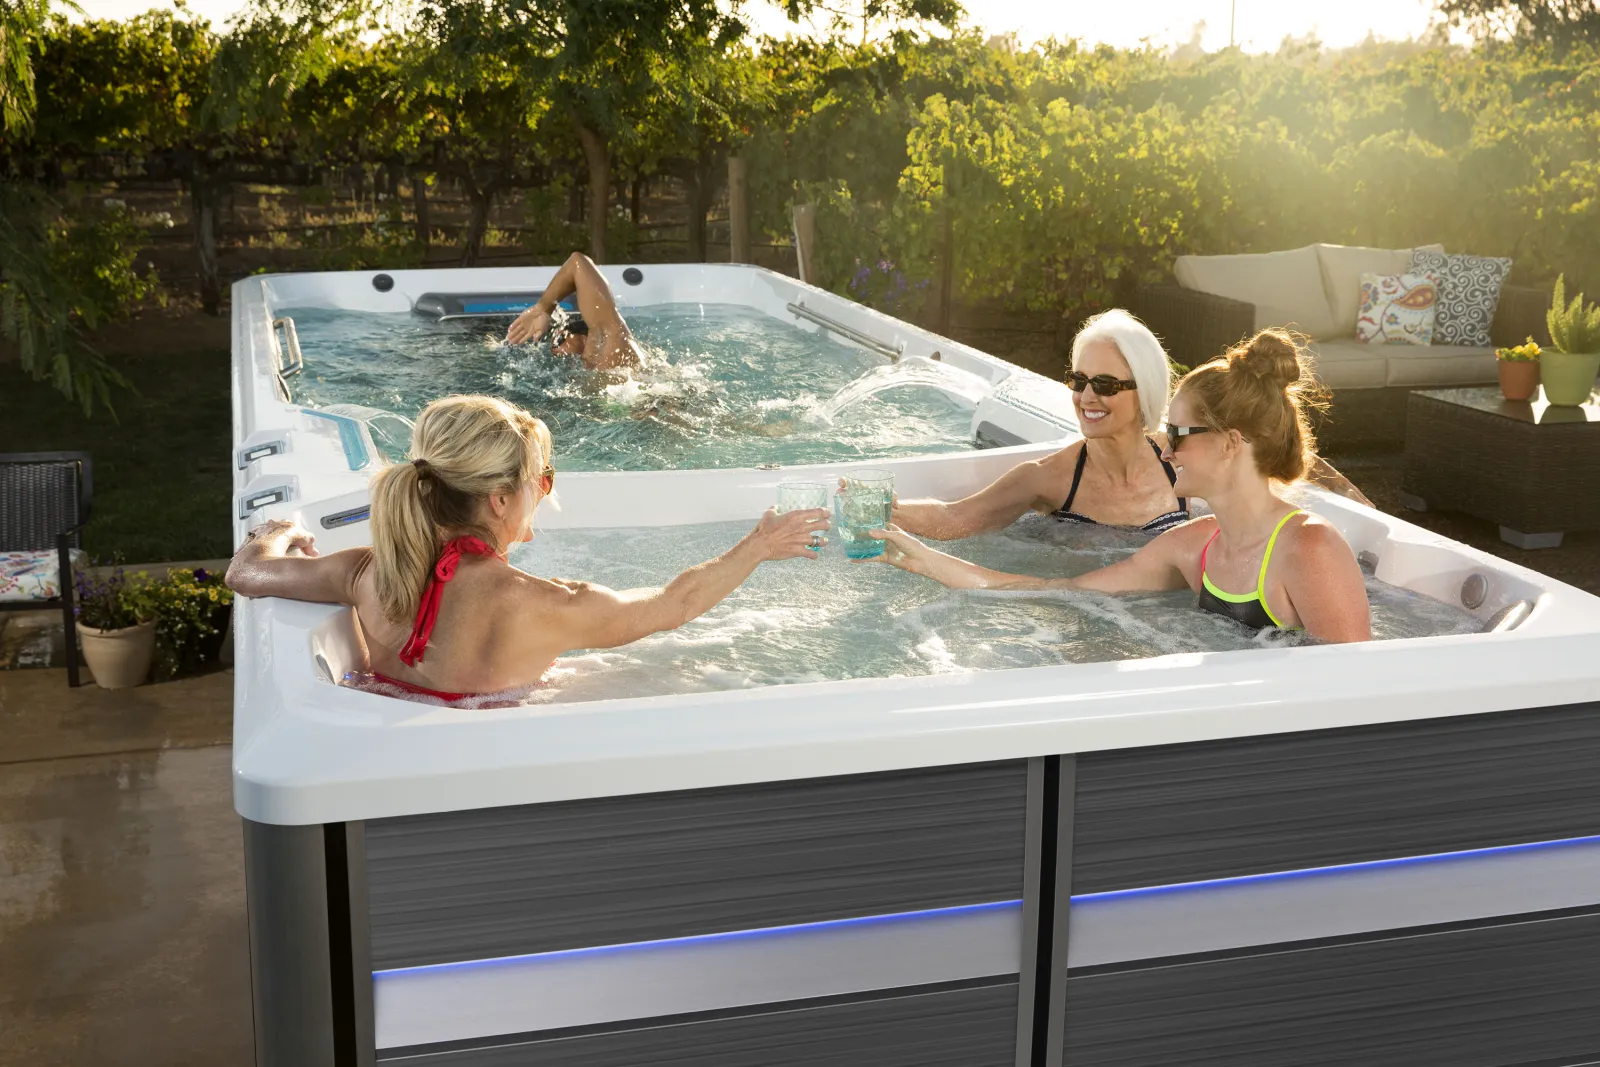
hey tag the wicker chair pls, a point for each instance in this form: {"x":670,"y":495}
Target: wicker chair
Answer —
{"x":45,"y":499}
{"x":1196,"y":326}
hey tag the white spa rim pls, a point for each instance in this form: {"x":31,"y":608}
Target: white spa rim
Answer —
{"x":308,"y":751}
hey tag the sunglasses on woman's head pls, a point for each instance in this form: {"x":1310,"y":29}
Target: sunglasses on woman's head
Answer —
{"x":547,"y":480}
{"x":1176,"y":434}
{"x":1104,"y":384}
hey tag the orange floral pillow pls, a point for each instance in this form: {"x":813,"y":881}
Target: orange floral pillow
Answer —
{"x":1397,"y":309}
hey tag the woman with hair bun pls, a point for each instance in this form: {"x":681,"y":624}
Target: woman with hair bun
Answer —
{"x":1236,"y":430}
{"x":442,"y":611}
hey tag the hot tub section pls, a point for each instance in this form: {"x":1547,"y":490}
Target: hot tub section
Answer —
{"x":1379,"y":854}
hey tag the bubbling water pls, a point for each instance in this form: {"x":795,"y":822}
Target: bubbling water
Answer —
{"x":719,"y":386}
{"x":829,"y":619}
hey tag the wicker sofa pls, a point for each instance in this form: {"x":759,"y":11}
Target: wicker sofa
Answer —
{"x":1217,"y":300}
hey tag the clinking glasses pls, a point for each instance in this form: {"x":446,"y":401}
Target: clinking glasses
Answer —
{"x":1104,"y":384}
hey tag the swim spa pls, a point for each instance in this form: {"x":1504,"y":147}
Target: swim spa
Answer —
{"x":1386,"y":853}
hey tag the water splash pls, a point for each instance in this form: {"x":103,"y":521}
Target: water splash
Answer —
{"x":912,"y":371}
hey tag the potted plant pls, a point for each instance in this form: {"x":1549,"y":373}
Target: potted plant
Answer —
{"x":190,"y":609}
{"x":1568,"y":373}
{"x":116,"y":627}
{"x":1519,"y":370}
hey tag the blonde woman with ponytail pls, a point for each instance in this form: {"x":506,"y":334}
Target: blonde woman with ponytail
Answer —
{"x":1236,"y":430}
{"x":442,"y":611}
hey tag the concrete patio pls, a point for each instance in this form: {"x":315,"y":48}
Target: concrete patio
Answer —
{"x":122,"y":922}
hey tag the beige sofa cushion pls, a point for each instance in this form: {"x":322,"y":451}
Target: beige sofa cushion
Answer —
{"x":1342,"y":268}
{"x":1349,"y":364}
{"x":1440,"y":365}
{"x":1345,"y":363}
{"x":1285,"y":287}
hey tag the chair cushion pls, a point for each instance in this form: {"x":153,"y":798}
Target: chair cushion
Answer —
{"x":1397,"y":309}
{"x":1441,"y":365}
{"x":1469,"y":291}
{"x":1285,"y":287}
{"x":34,"y":575}
{"x":1349,"y":364}
{"x":1342,"y":268}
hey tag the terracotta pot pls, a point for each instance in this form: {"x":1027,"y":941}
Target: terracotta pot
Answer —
{"x":118,"y":659}
{"x":1519,"y":379}
{"x":1568,"y":377}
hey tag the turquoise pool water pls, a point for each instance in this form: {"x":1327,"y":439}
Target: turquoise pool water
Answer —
{"x":722,"y":386}
{"x":803,"y":620}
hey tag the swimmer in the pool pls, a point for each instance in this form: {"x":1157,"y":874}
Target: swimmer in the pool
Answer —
{"x":442,"y":612}
{"x":1115,"y":475}
{"x":1236,"y":429}
{"x":596,"y":333}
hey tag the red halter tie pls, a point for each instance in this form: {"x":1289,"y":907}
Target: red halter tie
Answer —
{"x":428,"y":610}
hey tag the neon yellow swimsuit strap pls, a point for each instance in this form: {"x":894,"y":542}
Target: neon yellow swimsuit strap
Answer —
{"x":1261,"y":580}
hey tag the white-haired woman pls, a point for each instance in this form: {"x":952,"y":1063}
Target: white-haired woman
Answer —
{"x":1115,"y":476}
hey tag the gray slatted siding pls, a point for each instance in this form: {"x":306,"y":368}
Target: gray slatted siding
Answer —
{"x":1181,"y":813}
{"x":505,"y":881}
{"x":1523,"y":993}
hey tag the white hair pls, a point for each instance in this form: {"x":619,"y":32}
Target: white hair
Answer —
{"x":1147,"y":360}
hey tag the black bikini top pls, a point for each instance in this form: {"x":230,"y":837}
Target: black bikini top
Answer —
{"x":1159,"y":524}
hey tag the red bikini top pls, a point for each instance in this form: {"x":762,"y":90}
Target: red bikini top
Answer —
{"x":428,"y":610}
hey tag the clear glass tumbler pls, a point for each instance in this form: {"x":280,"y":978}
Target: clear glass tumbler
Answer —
{"x":803,"y":496}
{"x":861,"y":505}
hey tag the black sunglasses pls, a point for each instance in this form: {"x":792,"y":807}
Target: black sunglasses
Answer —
{"x":1176,"y":434}
{"x":1104,"y":384}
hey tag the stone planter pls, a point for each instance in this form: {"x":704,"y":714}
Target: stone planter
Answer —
{"x":1519,"y":379}
{"x":118,"y":659}
{"x":1568,"y":377}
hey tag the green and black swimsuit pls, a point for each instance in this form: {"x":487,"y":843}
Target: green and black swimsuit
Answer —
{"x":1248,"y":608}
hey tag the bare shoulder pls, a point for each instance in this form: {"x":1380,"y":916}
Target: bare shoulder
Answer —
{"x":1317,"y":543}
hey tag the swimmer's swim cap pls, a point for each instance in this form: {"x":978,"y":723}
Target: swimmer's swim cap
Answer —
{"x":565,"y":326}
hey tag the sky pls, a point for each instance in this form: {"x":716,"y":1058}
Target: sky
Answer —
{"x":1258,"y":25}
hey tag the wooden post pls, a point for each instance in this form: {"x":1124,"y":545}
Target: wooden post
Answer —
{"x":805,"y":241}
{"x":738,"y":210}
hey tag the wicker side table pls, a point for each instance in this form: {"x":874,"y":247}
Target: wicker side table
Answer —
{"x":1529,"y":467}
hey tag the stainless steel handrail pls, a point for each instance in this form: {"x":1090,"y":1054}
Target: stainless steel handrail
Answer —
{"x":291,"y":340}
{"x":883,"y":348}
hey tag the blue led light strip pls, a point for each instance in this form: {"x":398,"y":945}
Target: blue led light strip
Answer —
{"x":729,"y":935}
{"x":1207,"y":885}
{"x":1336,"y":869}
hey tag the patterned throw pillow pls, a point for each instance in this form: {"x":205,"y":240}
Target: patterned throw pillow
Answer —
{"x":1469,"y":291}
{"x":1397,"y":309}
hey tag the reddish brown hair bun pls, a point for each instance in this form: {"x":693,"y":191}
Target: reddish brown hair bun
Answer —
{"x":1262,"y":388}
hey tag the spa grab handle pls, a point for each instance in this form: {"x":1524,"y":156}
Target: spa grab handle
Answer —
{"x":883,"y":348}
{"x":291,"y":341}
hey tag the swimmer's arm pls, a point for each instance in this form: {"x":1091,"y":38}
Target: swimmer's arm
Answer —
{"x":1325,"y":585}
{"x":993,"y":507}
{"x":264,"y":567}
{"x":595,"y":300}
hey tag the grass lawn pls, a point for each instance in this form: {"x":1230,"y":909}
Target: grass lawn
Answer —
{"x":162,"y":487}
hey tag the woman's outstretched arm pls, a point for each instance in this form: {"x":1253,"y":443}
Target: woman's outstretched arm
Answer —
{"x":593,"y":616}
{"x":1154,"y":567}
{"x":995,"y":506}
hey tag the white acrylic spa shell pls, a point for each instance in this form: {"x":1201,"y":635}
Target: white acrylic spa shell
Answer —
{"x":309,"y":751}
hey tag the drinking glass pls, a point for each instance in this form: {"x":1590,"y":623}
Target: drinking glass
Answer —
{"x":803,"y":496}
{"x":863,"y":504}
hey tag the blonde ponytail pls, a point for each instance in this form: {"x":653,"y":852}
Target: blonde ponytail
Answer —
{"x":463,"y":450}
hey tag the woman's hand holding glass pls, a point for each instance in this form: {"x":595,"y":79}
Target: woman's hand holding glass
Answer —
{"x":789,"y":534}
